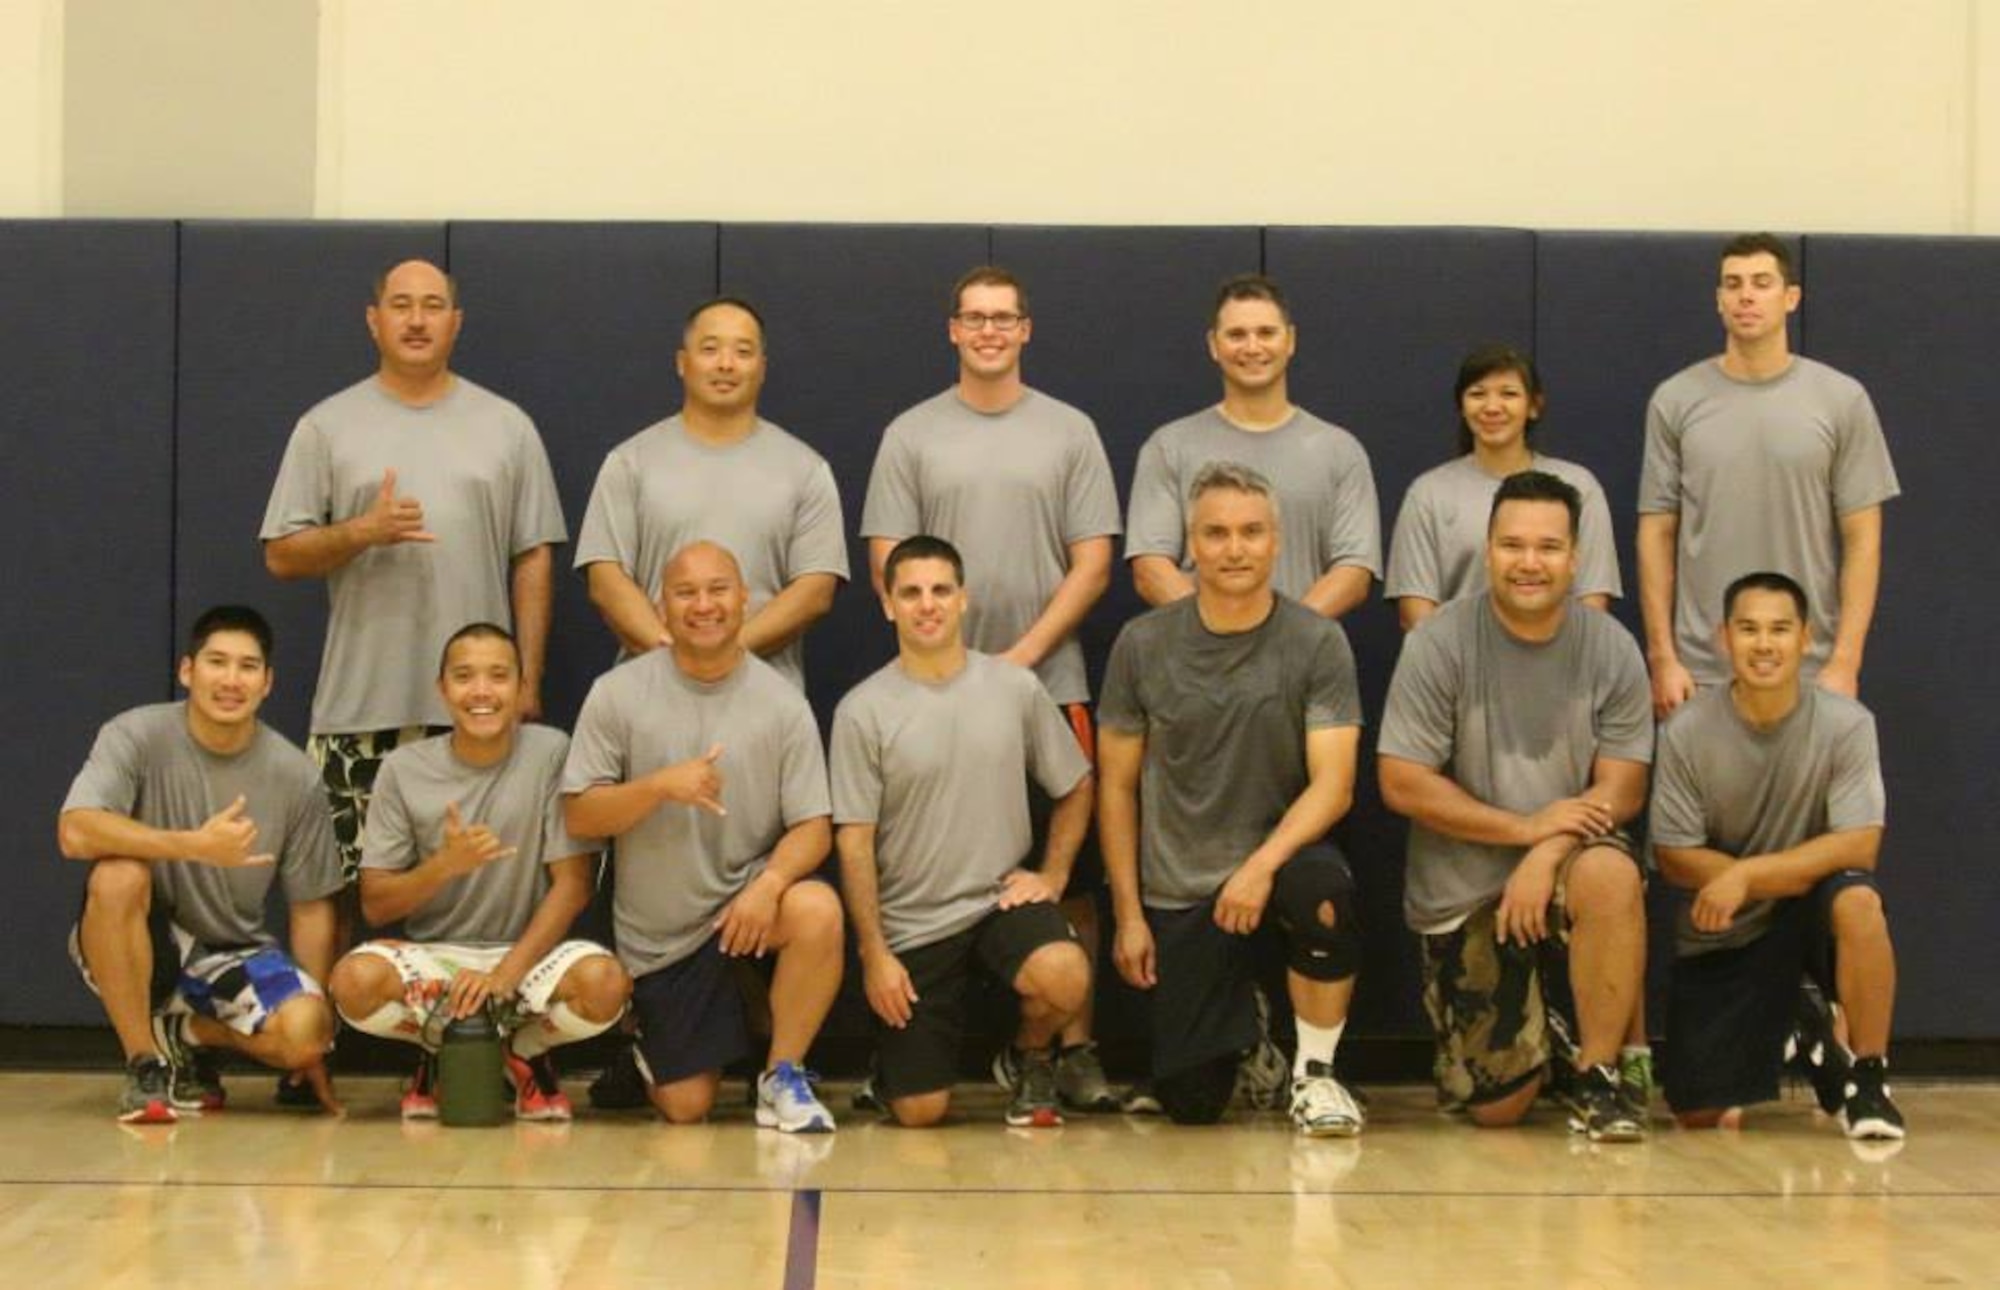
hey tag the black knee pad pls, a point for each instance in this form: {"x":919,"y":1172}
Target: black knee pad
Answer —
{"x":1314,"y":950}
{"x":1199,"y":1094}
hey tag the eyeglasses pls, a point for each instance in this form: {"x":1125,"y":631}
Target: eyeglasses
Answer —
{"x":973,"y":321}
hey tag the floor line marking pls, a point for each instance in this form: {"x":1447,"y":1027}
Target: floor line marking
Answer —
{"x":802,"y":1246}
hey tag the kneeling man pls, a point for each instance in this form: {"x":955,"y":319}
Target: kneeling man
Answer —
{"x":705,"y":763}
{"x":1768,"y":808}
{"x":930,"y":763}
{"x":465,"y":846}
{"x":187,"y":812}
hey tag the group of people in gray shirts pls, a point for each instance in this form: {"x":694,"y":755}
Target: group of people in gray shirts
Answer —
{"x":964,"y":777}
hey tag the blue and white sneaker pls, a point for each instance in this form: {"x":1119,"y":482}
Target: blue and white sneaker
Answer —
{"x":786,"y":1101}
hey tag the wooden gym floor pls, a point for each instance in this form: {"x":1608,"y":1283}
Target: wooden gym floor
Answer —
{"x":261,"y":1197}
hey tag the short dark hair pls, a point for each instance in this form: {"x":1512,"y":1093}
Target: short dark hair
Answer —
{"x":230,"y":618}
{"x":381,"y":283}
{"x":1761,"y":244}
{"x":1249,"y":286}
{"x":989,"y":275}
{"x":1764,"y":580}
{"x":717,"y":302}
{"x":1483,"y":362}
{"x":921,"y":547}
{"x":479,"y":631}
{"x":1537,"y":486}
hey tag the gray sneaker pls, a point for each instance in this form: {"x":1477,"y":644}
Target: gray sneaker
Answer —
{"x":146,"y":1099}
{"x":1035,"y":1104}
{"x":1080,"y":1081}
{"x":1141,"y":1099}
{"x":1263,"y":1077}
{"x":193,"y":1083}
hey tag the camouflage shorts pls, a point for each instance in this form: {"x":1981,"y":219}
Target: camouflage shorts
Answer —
{"x":347,"y":764}
{"x":1499,"y":1012}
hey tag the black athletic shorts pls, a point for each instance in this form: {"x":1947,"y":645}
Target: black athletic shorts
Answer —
{"x":1730,"y":1011}
{"x":922,"y":1057}
{"x":1203,"y":1005}
{"x":690,"y":1015}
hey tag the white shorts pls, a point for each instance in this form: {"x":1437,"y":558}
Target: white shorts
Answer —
{"x":427,"y":968}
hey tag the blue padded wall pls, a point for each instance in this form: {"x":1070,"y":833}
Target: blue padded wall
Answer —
{"x":1914,"y":319}
{"x":271,"y":322}
{"x":86,"y":430}
{"x":578,"y":324}
{"x":1384,"y":316}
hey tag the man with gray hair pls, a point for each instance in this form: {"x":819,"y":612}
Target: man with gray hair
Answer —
{"x":1235,"y":715}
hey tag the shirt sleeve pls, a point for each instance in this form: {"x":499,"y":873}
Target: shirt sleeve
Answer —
{"x":597,"y":751}
{"x":803,"y":793}
{"x":819,"y":537}
{"x":1597,"y":548}
{"x":893,"y":508}
{"x":1855,"y":799}
{"x":1156,"y":522}
{"x":302,"y":495}
{"x":1863,"y":475}
{"x":1354,"y":539}
{"x":610,"y":532}
{"x":1660,"y":468}
{"x":1420,"y":717}
{"x":1625,"y":710}
{"x":1333,"y":696}
{"x":1090,"y":498}
{"x":389,"y":841}
{"x":310,"y":865}
{"x":1675,"y":817}
{"x":537,"y":517}
{"x":1120,"y":707}
{"x":1413,"y":550}
{"x":109,"y":780}
{"x":856,"y":767}
{"x":1055,"y":758}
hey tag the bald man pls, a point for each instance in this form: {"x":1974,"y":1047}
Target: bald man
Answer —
{"x":426,"y":502}
{"x":705,"y":763}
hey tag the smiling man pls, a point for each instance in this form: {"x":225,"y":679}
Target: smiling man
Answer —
{"x":1018,"y":482}
{"x":466,"y":848}
{"x":705,"y":764}
{"x":1768,"y":815}
{"x":931,"y":759}
{"x":426,"y":502}
{"x":1759,"y":459}
{"x":187,"y":814}
{"x":1325,"y":488}
{"x":1232,"y":722}
{"x":1516,"y":740}
{"x":717,"y":471}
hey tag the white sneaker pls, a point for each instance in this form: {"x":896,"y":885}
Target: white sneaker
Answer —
{"x":786,"y":1101}
{"x":1322,"y":1107}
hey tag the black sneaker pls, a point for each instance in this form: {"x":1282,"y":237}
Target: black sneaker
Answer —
{"x":1598,"y":1108}
{"x":621,"y":1087}
{"x":193,"y":1083}
{"x":1814,"y":1054}
{"x":1036,"y":1103}
{"x":147,"y":1098}
{"x":293,"y":1091}
{"x":1866,"y":1109}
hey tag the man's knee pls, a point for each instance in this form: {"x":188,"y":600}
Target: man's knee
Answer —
{"x":1857,"y":914}
{"x":686,"y":1101}
{"x":596,"y":988}
{"x":363,"y":983}
{"x":303,"y":1029}
{"x":1505,"y":1112}
{"x":119,"y":886}
{"x":1603,"y":882}
{"x":1324,"y":934}
{"x":1057,"y":974}
{"x":811,"y":916}
{"x":1200,"y":1094}
{"x":921,"y":1110}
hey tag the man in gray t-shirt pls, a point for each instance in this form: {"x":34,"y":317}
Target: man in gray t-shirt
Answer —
{"x":188,"y":813}
{"x":1767,"y":813}
{"x":1759,"y":459}
{"x":706,"y":766}
{"x":1232,"y":720}
{"x":717,"y":471}
{"x":426,"y":502}
{"x":1327,"y":510}
{"x":931,"y":756}
{"x":1516,"y":740}
{"x":467,"y":849}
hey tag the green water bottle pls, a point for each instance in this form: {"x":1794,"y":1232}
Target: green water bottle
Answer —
{"x":471,"y":1088}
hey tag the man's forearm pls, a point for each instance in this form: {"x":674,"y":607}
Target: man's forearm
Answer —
{"x":1658,"y":547}
{"x":610,"y":810}
{"x":859,"y":886}
{"x":1088,"y":578}
{"x":1068,"y":823}
{"x":1860,"y":582}
{"x":533,"y":591}
{"x":567,"y":897}
{"x":1158,"y":580}
{"x":86,"y":834}
{"x":1435,"y":801}
{"x":315,"y":928}
{"x":625,"y":607}
{"x":786,"y":616}
{"x":317,"y":551}
{"x":801,"y":850}
{"x":1338,"y":590}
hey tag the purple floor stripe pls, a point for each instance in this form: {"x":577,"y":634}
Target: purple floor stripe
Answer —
{"x":802,"y":1247}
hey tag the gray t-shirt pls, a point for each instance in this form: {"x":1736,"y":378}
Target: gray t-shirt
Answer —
{"x":1327,"y":513}
{"x":768,"y":498}
{"x":147,"y":767}
{"x":1012,"y":491}
{"x":681,"y":864}
{"x":1760,"y":473}
{"x":515,"y":797}
{"x":1439,"y":548}
{"x":940,"y":769}
{"x":1517,"y":724}
{"x":476,"y":464}
{"x":1225,"y":718}
{"x":1723,"y":784}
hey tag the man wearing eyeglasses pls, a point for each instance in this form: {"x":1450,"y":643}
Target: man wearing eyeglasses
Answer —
{"x":1019,"y":483}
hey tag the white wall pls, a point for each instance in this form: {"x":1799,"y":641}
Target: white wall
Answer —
{"x":1801,"y":114}
{"x":30,"y":107}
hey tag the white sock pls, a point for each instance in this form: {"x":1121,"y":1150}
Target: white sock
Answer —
{"x":397,"y":1020}
{"x":1316,"y":1044}
{"x":559,"y":1025}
